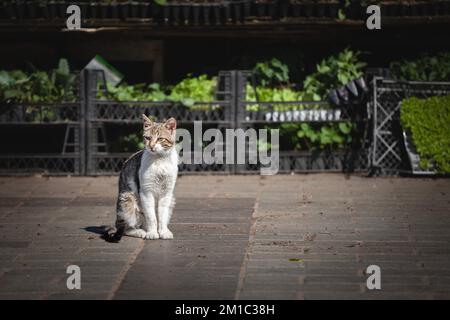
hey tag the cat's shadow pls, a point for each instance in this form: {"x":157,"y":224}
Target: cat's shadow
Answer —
{"x":100,"y":230}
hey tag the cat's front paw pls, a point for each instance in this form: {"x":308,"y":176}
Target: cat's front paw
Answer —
{"x":152,"y":235}
{"x":166,"y":234}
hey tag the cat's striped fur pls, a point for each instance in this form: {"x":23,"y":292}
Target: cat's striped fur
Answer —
{"x":146,"y":184}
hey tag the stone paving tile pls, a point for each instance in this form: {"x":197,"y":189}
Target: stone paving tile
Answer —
{"x":334,"y":228}
{"x":191,"y":272}
{"x":246,"y":237}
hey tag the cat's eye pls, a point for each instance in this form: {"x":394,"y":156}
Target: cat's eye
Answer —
{"x":146,"y":138}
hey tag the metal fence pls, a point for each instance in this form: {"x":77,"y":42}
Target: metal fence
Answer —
{"x":67,"y":118}
{"x":101,"y":113}
{"x":387,"y":151}
{"x":255,"y":113}
{"x":84,"y":127}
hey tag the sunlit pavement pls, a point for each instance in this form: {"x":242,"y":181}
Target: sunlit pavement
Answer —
{"x":236,"y":237}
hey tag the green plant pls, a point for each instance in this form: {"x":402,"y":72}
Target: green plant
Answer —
{"x":272,"y":72}
{"x":193,"y":89}
{"x":187,"y":91}
{"x":138,"y":92}
{"x":57,"y":85}
{"x":130,"y":143}
{"x":332,"y":72}
{"x":429,"y":123}
{"x":425,"y":68}
{"x":317,"y":137}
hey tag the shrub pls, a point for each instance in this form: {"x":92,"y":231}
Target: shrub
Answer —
{"x":187,"y":91}
{"x":137,"y":92}
{"x":192,"y":89}
{"x":429,"y":122}
{"x":332,"y":72}
{"x":425,"y":68}
{"x":17,"y":86}
{"x":271,"y":72}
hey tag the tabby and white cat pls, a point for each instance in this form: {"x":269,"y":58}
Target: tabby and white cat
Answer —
{"x":146,"y":185}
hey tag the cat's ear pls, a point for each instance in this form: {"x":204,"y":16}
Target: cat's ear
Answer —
{"x":171,"y":124}
{"x":147,"y":121}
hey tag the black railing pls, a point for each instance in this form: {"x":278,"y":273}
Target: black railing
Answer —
{"x":63,"y":124}
{"x":89,"y":121}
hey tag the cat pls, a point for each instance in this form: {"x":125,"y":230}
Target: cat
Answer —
{"x":146,"y":185}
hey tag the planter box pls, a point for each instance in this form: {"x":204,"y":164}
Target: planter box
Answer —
{"x":261,"y":9}
{"x":124,"y":9}
{"x":311,"y":161}
{"x":295,"y":9}
{"x":134,"y":9}
{"x":175,"y":16}
{"x":20,"y":9}
{"x":236,"y":12}
{"x":226,"y":11}
{"x":302,"y":115}
{"x":114,"y":10}
{"x":32,"y":10}
{"x":9,"y":10}
{"x":413,"y":156}
{"x":103,"y":10}
{"x":206,"y":14}
{"x":93,"y":10}
{"x":308,"y":9}
{"x":185,"y":13}
{"x":216,"y":13}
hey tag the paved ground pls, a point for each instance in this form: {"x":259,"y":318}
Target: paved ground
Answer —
{"x":238,"y":237}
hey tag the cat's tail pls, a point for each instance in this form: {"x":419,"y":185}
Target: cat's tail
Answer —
{"x":114,"y":234}
{"x":127,"y":206}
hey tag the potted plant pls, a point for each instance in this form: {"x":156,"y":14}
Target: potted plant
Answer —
{"x":206,"y":13}
{"x":176,"y":10}
{"x":284,"y":8}
{"x":43,"y":10}
{"x":20,"y":9}
{"x":134,"y":9}
{"x":389,"y":8}
{"x":446,"y":7}
{"x":10,"y":10}
{"x":185,"y":12}
{"x":226,"y":8}
{"x":196,"y":13}
{"x":165,"y":13}
{"x":124,"y":9}
{"x":272,"y":9}
{"x":405,"y":8}
{"x":52,"y":9}
{"x":246,"y":8}
{"x":32,"y":8}
{"x":114,"y":9}
{"x":62,"y":8}
{"x":84,"y":7}
{"x":236,"y":9}
{"x":432,"y":8}
{"x":261,"y":8}
{"x":144,"y":10}
{"x":93,"y":10}
{"x":216,"y":9}
{"x":333,"y":8}
{"x":308,"y":8}
{"x":320,"y":9}
{"x":103,"y":8}
{"x":295,"y":7}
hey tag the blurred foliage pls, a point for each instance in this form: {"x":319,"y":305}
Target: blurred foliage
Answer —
{"x":425,"y":68}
